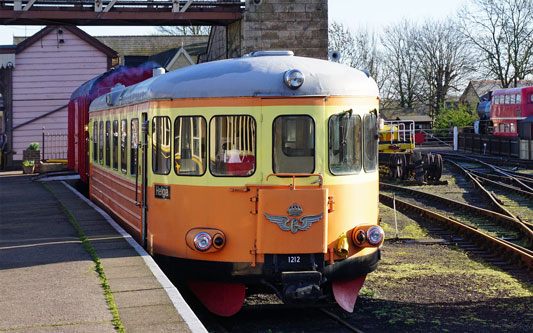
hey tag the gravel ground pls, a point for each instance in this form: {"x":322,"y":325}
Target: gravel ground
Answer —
{"x":440,"y":288}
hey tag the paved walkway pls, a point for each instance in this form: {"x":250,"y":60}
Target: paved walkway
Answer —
{"x":48,"y":279}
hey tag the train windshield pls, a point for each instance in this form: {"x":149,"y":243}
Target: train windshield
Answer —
{"x":232,"y":145}
{"x":344,"y":143}
{"x":294,"y":144}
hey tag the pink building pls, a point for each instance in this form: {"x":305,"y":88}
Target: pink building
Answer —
{"x":48,"y":67}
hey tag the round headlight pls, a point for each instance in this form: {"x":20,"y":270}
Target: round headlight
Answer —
{"x":293,"y":78}
{"x":375,"y":235}
{"x":202,"y":241}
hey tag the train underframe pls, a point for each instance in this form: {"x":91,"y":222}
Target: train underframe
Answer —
{"x":223,"y":286}
{"x":422,"y":167}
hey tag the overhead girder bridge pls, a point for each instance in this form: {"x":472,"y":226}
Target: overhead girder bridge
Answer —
{"x":120,"y":12}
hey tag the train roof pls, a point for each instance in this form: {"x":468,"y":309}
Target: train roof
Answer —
{"x":512,"y":90}
{"x":258,"y":74}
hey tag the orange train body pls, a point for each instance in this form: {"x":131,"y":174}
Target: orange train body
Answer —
{"x":266,"y":185}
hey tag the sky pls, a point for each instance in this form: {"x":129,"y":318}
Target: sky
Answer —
{"x":373,"y":15}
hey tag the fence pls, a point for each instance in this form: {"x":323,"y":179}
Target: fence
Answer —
{"x":496,"y":145}
{"x":436,"y":137}
{"x":54,"y":146}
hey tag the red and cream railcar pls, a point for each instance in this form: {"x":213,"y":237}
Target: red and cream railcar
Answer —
{"x":508,"y":108}
{"x":78,"y":110}
{"x":252,"y":172}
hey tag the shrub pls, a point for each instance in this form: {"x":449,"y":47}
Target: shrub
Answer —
{"x":34,"y":146}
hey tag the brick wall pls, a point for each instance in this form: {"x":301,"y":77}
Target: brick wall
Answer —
{"x":297,"y":25}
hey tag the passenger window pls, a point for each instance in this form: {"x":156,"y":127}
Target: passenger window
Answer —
{"x":370,"y":140}
{"x":134,"y":146}
{"x":232,"y":145}
{"x":513,"y":99}
{"x":190,"y":150}
{"x":161,"y":145}
{"x":507,"y":99}
{"x":531,"y":98}
{"x":501,"y":99}
{"x":107,"y":144}
{"x":512,"y":128}
{"x":101,"y":143}
{"x":518,"y":98}
{"x":95,"y":141}
{"x":124,"y":146}
{"x":115,"y":144}
{"x":294,"y":144}
{"x":344,"y":143}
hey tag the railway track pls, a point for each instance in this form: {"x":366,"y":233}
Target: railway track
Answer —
{"x":510,"y":200}
{"x":469,"y":227}
{"x":282,"y":318}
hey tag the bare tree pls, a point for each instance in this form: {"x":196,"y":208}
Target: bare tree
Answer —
{"x":359,"y":50}
{"x":192,"y":30}
{"x":502,"y":32}
{"x":444,"y":59}
{"x":401,"y":60}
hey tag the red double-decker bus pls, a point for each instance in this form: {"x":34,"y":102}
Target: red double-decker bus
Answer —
{"x":509,"y":107}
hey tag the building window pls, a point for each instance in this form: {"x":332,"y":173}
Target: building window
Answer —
{"x":370,"y":142}
{"x":101,"y":143}
{"x":95,"y":141}
{"x":107,"y":143}
{"x":232,"y":145}
{"x":134,"y":146}
{"x":190,"y":146}
{"x":124,"y":146}
{"x":344,"y":143}
{"x":161,"y":145}
{"x":294,"y":144}
{"x":115,"y":144}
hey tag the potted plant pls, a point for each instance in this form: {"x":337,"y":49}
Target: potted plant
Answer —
{"x":33,"y":154}
{"x":28,"y":167}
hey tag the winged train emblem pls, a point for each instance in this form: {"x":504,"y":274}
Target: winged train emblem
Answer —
{"x":292,"y":222}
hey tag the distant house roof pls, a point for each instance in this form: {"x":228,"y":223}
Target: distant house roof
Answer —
{"x":166,"y":58}
{"x":149,"y":45}
{"x":418,"y":115}
{"x":23,"y":42}
{"x":482,"y":87}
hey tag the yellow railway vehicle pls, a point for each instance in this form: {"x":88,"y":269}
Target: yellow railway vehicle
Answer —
{"x":246,"y":174}
{"x":398,"y":158}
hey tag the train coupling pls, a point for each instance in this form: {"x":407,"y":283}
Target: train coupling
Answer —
{"x":301,"y":286}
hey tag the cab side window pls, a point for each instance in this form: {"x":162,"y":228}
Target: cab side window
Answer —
{"x":370,"y":142}
{"x":161,"y":145}
{"x":95,"y":141}
{"x":190,"y":150}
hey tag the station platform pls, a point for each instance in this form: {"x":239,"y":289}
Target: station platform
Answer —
{"x":64,"y":267}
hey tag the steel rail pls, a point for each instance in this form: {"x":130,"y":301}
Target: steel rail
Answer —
{"x":496,"y":169}
{"x":495,"y":216}
{"x":476,"y":182}
{"x":494,"y":245}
